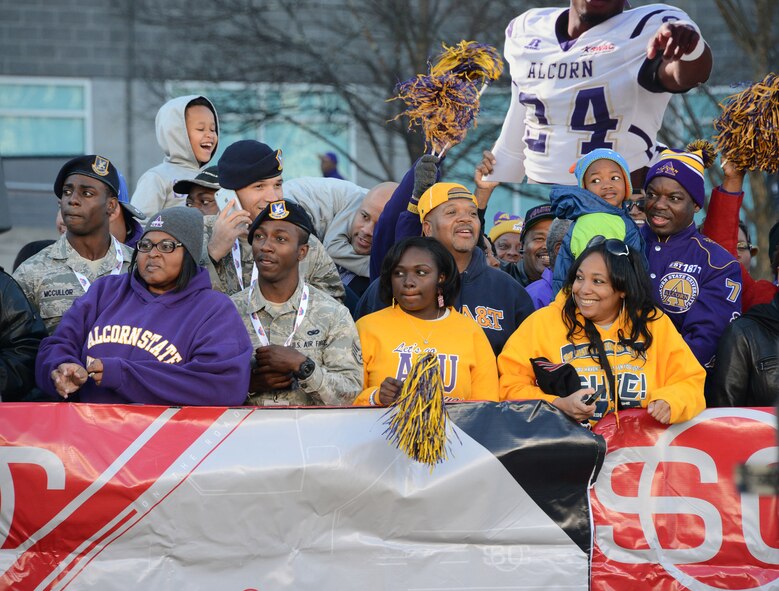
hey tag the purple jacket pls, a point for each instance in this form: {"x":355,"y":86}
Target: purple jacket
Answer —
{"x":697,"y":283}
{"x":178,"y":348}
{"x":540,"y":291}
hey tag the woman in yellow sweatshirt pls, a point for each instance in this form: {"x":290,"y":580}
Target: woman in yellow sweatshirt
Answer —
{"x":419,"y":277}
{"x":605,"y":324}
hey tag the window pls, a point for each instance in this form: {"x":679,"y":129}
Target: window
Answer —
{"x":44,"y":116}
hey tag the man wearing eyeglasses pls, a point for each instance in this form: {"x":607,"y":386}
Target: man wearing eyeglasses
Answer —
{"x":87,"y":187}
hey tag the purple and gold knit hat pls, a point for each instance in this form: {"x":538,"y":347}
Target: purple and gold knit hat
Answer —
{"x":686,"y":168}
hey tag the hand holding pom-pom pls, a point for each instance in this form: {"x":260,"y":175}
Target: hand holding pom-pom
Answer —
{"x":425,"y":175}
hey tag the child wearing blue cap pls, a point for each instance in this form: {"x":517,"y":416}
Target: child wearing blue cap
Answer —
{"x":595,"y":207}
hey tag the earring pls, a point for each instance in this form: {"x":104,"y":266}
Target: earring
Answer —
{"x":440,"y":298}
{"x":393,"y":303}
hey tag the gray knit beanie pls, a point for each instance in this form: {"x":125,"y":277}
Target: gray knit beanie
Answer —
{"x":185,"y":224}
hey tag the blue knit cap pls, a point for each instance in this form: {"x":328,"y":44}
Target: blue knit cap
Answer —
{"x":602,"y":154}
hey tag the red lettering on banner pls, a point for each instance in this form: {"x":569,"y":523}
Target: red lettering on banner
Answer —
{"x":666,"y":509}
{"x":84,"y":482}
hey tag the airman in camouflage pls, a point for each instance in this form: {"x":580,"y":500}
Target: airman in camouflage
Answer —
{"x":326,"y":335}
{"x":250,"y":172}
{"x":317,"y":268}
{"x":307,"y":350}
{"x":87,"y":187}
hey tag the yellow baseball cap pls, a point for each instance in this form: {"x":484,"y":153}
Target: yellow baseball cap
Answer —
{"x":441,"y":193}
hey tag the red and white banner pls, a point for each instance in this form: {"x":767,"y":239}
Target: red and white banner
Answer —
{"x":667,"y":511}
{"x":133,"y":497}
{"x":118,"y":498}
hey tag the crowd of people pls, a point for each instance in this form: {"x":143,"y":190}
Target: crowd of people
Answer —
{"x":222,"y":283}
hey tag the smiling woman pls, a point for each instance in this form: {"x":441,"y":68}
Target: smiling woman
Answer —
{"x":419,"y":277}
{"x":605,"y":325}
{"x":157,"y":335}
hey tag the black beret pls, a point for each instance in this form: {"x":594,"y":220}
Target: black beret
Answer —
{"x":288,"y":211}
{"x":246,"y":162}
{"x":90,"y":165}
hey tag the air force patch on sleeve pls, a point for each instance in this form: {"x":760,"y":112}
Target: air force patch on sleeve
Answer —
{"x":357,"y":352}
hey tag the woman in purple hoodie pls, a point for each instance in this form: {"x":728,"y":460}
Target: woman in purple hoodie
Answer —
{"x":157,"y":335}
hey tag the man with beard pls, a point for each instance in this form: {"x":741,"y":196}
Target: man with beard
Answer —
{"x":449,"y":213}
{"x":593,"y":75}
{"x":87,"y":187}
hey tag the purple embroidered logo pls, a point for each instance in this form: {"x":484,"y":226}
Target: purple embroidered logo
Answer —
{"x":158,"y":223}
{"x":534,"y":44}
{"x":667,"y":168}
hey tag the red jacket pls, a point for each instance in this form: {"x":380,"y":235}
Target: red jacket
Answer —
{"x":721,"y":225}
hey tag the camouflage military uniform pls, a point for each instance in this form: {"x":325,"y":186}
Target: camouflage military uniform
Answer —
{"x":50,"y":284}
{"x":317,"y":268}
{"x":327,"y":335}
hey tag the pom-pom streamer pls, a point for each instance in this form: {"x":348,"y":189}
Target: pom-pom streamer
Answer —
{"x":748,"y":127}
{"x":416,"y":422}
{"x":444,"y":106}
{"x":476,"y":62}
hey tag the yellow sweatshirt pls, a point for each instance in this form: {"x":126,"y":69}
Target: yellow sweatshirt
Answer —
{"x":391,"y":339}
{"x":670,"y":371}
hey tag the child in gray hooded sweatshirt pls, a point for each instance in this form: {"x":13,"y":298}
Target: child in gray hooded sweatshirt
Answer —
{"x":188,"y":133}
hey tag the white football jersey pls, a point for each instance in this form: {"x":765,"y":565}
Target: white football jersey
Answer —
{"x":568,"y":102}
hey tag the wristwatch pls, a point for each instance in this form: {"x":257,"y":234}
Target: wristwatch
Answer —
{"x":305,"y":370}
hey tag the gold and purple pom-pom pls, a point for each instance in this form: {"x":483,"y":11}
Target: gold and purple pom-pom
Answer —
{"x":707,"y":149}
{"x":417,"y":420}
{"x":443,"y":106}
{"x":473,"y":61}
{"x":748,"y":127}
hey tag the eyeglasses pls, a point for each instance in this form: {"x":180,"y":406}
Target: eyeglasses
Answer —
{"x":629,"y":205}
{"x":164,"y":246}
{"x":745,"y":246}
{"x":613,"y":246}
{"x":203,"y":203}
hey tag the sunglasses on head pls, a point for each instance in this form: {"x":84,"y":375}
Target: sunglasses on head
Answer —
{"x":613,"y":246}
{"x":629,"y":205}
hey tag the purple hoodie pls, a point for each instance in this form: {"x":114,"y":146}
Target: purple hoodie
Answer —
{"x":178,"y":348}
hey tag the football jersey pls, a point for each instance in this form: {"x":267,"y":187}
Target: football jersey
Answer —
{"x":570,"y":99}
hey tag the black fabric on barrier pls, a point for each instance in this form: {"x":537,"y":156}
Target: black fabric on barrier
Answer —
{"x":549,"y":455}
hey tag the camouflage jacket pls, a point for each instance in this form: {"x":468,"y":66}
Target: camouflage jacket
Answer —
{"x":327,"y":335}
{"x":49,"y":281}
{"x":317,"y":268}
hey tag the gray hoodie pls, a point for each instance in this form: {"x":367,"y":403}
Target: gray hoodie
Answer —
{"x":154,"y":190}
